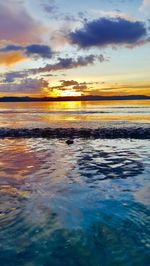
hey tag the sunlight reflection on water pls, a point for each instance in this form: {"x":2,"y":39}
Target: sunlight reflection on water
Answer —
{"x":74,"y":114}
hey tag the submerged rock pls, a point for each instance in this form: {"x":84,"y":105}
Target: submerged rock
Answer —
{"x":69,"y":141}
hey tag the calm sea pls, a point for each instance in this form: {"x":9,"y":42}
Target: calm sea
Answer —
{"x":74,"y":114}
{"x":86,"y":204}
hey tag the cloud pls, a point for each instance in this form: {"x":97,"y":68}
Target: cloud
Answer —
{"x":72,"y":85}
{"x":16,"y":25}
{"x":69,"y":63}
{"x":33,"y":50}
{"x":10,"y":77}
{"x":12,"y":58}
{"x":80,"y":87}
{"x":66,"y":83}
{"x":117,"y":13}
{"x":27,"y":85}
{"x":43,"y":51}
{"x":49,"y":6}
{"x":145,"y":7}
{"x":62,"y":64}
{"x":109,"y":31}
{"x":10,"y":48}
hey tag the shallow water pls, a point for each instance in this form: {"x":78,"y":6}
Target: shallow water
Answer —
{"x":91,"y":114}
{"x":84,"y":204}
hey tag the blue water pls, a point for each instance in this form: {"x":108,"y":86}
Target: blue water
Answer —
{"x":83,"y":204}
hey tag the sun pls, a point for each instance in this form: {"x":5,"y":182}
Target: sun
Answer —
{"x":61,"y":93}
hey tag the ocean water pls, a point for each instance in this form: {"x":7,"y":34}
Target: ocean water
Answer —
{"x":75,"y":114}
{"x":85,"y":204}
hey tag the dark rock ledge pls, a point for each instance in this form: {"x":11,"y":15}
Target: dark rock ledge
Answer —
{"x":107,"y":133}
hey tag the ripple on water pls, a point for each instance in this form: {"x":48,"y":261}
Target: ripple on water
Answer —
{"x":69,"y":205}
{"x":100,"y":165}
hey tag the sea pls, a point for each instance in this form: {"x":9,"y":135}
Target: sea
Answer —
{"x":85,"y":204}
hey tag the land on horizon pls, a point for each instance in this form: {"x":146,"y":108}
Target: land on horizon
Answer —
{"x":73,"y":98}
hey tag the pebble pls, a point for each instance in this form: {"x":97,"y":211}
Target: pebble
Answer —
{"x":69,"y":133}
{"x":69,"y":141}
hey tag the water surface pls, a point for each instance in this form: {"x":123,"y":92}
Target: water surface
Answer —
{"x":84,"y":204}
{"x":91,"y":114}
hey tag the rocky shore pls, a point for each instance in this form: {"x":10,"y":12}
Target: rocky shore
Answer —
{"x":107,"y":133}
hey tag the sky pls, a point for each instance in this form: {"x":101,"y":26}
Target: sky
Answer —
{"x":73,"y":48}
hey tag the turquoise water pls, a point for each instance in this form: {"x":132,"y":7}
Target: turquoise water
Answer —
{"x":84,"y":204}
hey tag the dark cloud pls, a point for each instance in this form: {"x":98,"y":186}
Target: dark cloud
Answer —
{"x":27,"y":85}
{"x":66,"y":83}
{"x":33,"y":50}
{"x":69,"y":63}
{"x":72,"y":85}
{"x":80,"y":87}
{"x":13,"y":76}
{"x":62,"y":64}
{"x":109,"y":31}
{"x":10,"y":48}
{"x":39,"y":50}
{"x":101,"y":58}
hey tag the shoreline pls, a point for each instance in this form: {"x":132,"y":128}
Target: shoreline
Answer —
{"x":74,"y":133}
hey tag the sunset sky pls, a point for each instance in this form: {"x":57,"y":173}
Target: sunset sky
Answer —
{"x":73,"y":48}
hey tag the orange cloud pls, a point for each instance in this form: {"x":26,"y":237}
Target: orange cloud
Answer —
{"x":9,"y":59}
{"x":141,"y":88}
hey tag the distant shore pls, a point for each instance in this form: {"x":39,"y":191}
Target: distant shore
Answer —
{"x":75,"y":98}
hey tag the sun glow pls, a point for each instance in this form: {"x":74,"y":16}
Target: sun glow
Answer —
{"x":61,"y":93}
{"x":70,"y":93}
